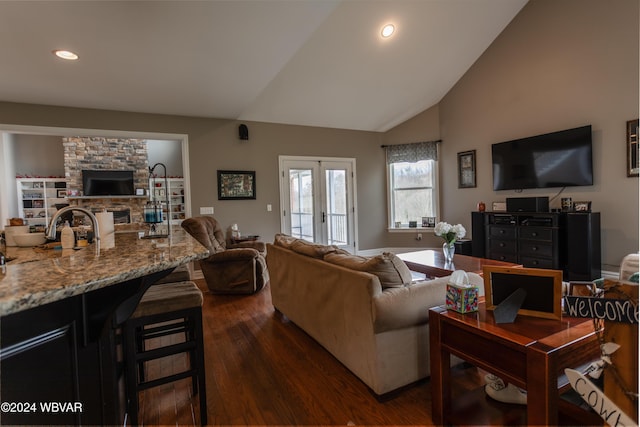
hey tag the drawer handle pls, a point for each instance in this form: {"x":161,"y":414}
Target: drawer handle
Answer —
{"x":535,"y":262}
{"x":535,"y":248}
{"x":502,"y":245}
{"x":502,"y":231}
{"x":534,"y":234}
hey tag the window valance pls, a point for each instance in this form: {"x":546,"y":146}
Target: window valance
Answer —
{"x":412,"y":153}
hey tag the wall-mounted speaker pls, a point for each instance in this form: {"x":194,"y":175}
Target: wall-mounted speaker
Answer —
{"x":243,"y":132}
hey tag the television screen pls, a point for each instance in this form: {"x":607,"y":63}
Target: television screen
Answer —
{"x":107,"y":183}
{"x":558,"y":159}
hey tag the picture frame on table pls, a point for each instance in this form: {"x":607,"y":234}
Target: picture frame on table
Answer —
{"x":467,"y":169}
{"x":61,"y":194}
{"x":236,"y":185}
{"x":582,"y":206}
{"x":543,"y":289}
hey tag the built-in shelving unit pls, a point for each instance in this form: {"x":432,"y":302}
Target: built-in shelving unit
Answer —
{"x":175,"y":193}
{"x":37,"y":198}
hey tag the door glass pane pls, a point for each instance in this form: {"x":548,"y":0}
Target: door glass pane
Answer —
{"x":336,"y":184}
{"x":301,"y":196}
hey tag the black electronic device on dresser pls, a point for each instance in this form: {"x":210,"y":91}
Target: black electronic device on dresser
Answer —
{"x":567,"y":241}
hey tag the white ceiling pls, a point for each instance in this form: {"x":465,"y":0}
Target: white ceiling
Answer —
{"x":305,"y":62}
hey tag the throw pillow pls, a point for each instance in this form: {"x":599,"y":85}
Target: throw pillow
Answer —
{"x":314,"y":250}
{"x":283,"y":240}
{"x":390,"y":269}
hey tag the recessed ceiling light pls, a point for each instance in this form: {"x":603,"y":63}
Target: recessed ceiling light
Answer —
{"x":388,"y":30}
{"x":65,"y":54}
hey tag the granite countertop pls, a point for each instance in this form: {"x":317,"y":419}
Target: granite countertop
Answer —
{"x":39,"y":276}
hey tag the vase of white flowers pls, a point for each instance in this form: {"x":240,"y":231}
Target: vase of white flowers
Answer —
{"x":450,"y":233}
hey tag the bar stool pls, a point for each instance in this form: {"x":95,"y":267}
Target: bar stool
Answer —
{"x":165,"y":309}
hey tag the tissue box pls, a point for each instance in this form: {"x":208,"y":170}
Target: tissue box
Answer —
{"x":463,"y":299}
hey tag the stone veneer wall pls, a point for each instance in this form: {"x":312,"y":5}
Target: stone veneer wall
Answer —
{"x":106,"y":154}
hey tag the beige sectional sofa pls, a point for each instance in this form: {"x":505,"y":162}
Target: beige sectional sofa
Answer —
{"x":364,"y":311}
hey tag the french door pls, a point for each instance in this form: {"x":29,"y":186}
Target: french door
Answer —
{"x":317,"y":197}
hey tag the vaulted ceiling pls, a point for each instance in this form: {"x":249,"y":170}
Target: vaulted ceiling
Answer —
{"x":305,"y":62}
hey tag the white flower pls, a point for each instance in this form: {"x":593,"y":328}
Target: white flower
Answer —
{"x":450,"y":233}
{"x":459,"y":230}
{"x":442,"y":228}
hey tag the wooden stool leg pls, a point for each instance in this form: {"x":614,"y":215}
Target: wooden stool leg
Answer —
{"x":131,"y":380}
{"x":199,"y":363}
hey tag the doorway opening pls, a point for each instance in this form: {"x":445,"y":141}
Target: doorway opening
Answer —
{"x":10,"y":135}
{"x":318,"y":200}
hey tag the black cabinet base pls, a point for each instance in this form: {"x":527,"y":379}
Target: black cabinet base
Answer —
{"x":61,"y":363}
{"x":567,"y":241}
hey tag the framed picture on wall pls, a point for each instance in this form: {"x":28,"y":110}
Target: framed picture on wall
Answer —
{"x":467,"y":169}
{"x":633,"y":151}
{"x":236,"y":185}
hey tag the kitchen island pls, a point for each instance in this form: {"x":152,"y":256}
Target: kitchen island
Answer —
{"x":60,"y":312}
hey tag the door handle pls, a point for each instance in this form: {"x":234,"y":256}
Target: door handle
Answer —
{"x":324,"y":217}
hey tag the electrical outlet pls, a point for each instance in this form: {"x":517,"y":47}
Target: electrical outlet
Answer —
{"x":206,"y":210}
{"x":269,"y":207}
{"x":419,"y":236}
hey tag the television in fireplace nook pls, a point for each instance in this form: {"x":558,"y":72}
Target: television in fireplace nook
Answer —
{"x":107,"y":183}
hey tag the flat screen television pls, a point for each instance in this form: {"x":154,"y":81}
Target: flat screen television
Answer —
{"x":557,"y":159}
{"x":107,"y":183}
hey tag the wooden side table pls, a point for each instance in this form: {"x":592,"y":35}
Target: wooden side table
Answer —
{"x":241,"y":239}
{"x":530,"y":353}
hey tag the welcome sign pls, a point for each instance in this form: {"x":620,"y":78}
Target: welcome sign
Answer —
{"x":614,"y":310}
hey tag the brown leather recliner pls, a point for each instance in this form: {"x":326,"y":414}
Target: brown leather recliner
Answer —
{"x":230,"y":269}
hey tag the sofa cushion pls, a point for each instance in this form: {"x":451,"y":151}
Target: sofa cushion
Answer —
{"x":390,"y":269}
{"x":283,"y":240}
{"x":314,"y":250}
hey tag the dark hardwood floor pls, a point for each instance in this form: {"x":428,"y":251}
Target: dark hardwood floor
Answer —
{"x":263,"y":370}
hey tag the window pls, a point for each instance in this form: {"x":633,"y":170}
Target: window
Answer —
{"x":413,"y":190}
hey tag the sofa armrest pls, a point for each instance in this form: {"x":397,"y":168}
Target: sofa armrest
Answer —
{"x":230,"y":255}
{"x":397,"y":308}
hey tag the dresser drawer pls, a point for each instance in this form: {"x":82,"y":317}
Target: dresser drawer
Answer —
{"x":536,"y":233}
{"x":513,"y":258}
{"x":502,"y":232}
{"x":533,"y":262}
{"x":503,"y":246}
{"x":536,"y":249}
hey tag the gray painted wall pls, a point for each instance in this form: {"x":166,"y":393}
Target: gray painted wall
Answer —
{"x":559,"y":64}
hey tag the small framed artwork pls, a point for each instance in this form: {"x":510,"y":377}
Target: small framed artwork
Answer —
{"x":428,"y":221}
{"x":236,"y":185}
{"x":499,"y":206}
{"x":467,"y":169}
{"x":633,"y":151}
{"x":582,"y":206}
{"x":61,"y":194}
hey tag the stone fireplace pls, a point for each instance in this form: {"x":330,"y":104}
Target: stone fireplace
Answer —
{"x":100,"y":153}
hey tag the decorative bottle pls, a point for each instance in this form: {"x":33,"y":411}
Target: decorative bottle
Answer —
{"x":67,"y":237}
